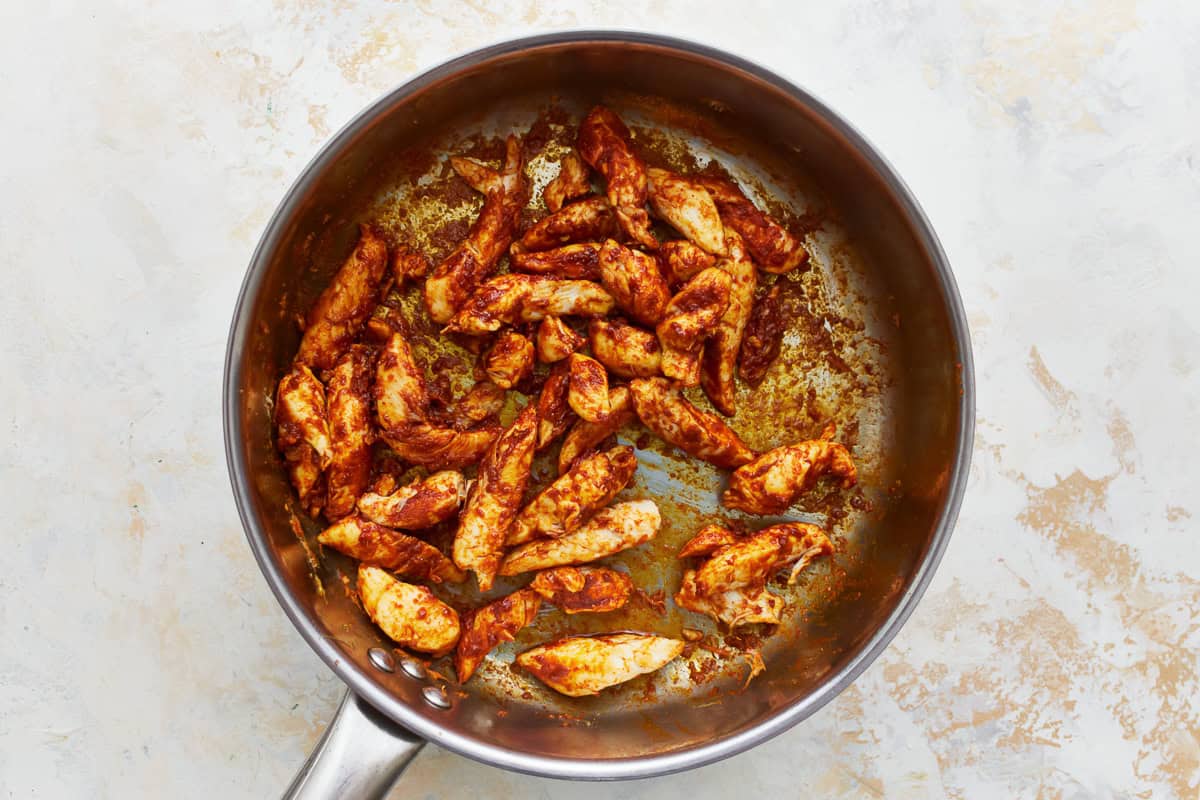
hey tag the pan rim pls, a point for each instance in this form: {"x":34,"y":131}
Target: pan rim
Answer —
{"x":364,"y":684}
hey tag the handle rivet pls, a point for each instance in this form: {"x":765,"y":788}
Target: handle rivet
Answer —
{"x":381,"y":659}
{"x":413,"y":668}
{"x":436,"y":697}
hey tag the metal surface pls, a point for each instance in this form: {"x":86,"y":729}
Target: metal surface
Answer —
{"x":881,"y":288}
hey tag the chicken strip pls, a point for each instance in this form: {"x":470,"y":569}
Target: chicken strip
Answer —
{"x":634,"y":281}
{"x":579,"y":261}
{"x":440,"y":448}
{"x":771,"y":247}
{"x":408,"y":266}
{"x":410,"y":615}
{"x":554,"y":413}
{"x":556,"y":340}
{"x":336,"y":318}
{"x":566,"y":298}
{"x":585,"y":435}
{"x":667,"y":413}
{"x":515,"y":297}
{"x":420,"y":504}
{"x":401,"y":395}
{"x":772,"y":482}
{"x":491,"y":625}
{"x":383,"y":547}
{"x":482,"y":403}
{"x":626,"y":350}
{"x":456,"y":278}
{"x":579,"y":589}
{"x":604,"y":142}
{"x":584,"y":221}
{"x":584,"y":665}
{"x":611,"y":530}
{"x":563,"y":505}
{"x":349,"y":431}
{"x":510,"y":360}
{"x":710,"y":539}
{"x":680,"y":260}
{"x":763,"y":336}
{"x":587,"y":393}
{"x":302,"y":433}
{"x":496,"y":498}
{"x":572,"y":181}
{"x":690,"y":317}
{"x":688,"y":208}
{"x":719,"y":361}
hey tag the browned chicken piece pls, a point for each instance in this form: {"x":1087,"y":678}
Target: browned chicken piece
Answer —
{"x":381,"y":546}
{"x":491,"y":625}
{"x":483,"y":402}
{"x":440,"y":448}
{"x":457,"y":277}
{"x":349,"y":431}
{"x":554,"y":414}
{"x":584,"y":221}
{"x":763,"y":336}
{"x":690,"y":318}
{"x":579,"y":261}
{"x":626,"y":350}
{"x":730,"y":585}
{"x":771,"y":247}
{"x":710,"y":539}
{"x":688,"y":208}
{"x":772,"y":482}
{"x":681,"y":366}
{"x":515,"y":297}
{"x":408,"y":266}
{"x":680,"y":260}
{"x":556,"y":340}
{"x":667,"y":413}
{"x":410,"y":615}
{"x":572,"y":181}
{"x":611,"y":530}
{"x":510,"y":360}
{"x":303,"y":433}
{"x":336,"y":318}
{"x":585,"y":665}
{"x":401,"y":396}
{"x":420,"y":504}
{"x":563,"y":505}
{"x":579,"y":589}
{"x":496,"y":498}
{"x":604,"y":142}
{"x":633,"y":279}
{"x":721,"y":350}
{"x":587,"y":393}
{"x":584,"y":435}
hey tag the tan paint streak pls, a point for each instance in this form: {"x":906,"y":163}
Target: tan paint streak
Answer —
{"x":1060,"y":397}
{"x":316,"y":120}
{"x":135,"y":498}
{"x":1176,"y":513}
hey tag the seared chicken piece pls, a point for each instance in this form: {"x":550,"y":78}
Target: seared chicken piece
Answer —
{"x":572,"y":181}
{"x":721,"y":350}
{"x":772,"y":482}
{"x":667,"y":413}
{"x":563,"y":505}
{"x":771,"y":247}
{"x":338,"y":315}
{"x":579,"y":261}
{"x":410,"y":615}
{"x":349,"y":431}
{"x":583,"y":665}
{"x":420,"y":504}
{"x":401,"y":396}
{"x":496,"y":498}
{"x":688,"y":208}
{"x":383,"y":547}
{"x":680,"y":260}
{"x":604,"y":142}
{"x":626,"y":350}
{"x":515,"y":297}
{"x":579,"y":589}
{"x":556,"y":340}
{"x":763,"y":336}
{"x":730,"y":585}
{"x":510,"y":360}
{"x":457,"y":277}
{"x":587,"y":393}
{"x":303,"y":433}
{"x":440,"y":448}
{"x":611,"y":530}
{"x":554,"y":414}
{"x":710,"y":539}
{"x":584,"y":221}
{"x":483,"y":402}
{"x":690,"y":318}
{"x":585,"y":435}
{"x":408,"y":266}
{"x":633,"y":279}
{"x":490,"y":625}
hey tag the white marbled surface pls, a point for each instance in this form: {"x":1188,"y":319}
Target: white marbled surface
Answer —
{"x":1053,"y":144}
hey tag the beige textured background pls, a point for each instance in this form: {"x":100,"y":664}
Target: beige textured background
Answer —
{"x":1054,"y":145}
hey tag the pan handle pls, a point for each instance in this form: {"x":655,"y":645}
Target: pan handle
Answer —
{"x":360,"y":757}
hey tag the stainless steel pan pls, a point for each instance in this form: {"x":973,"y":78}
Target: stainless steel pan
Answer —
{"x":878,"y":343}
